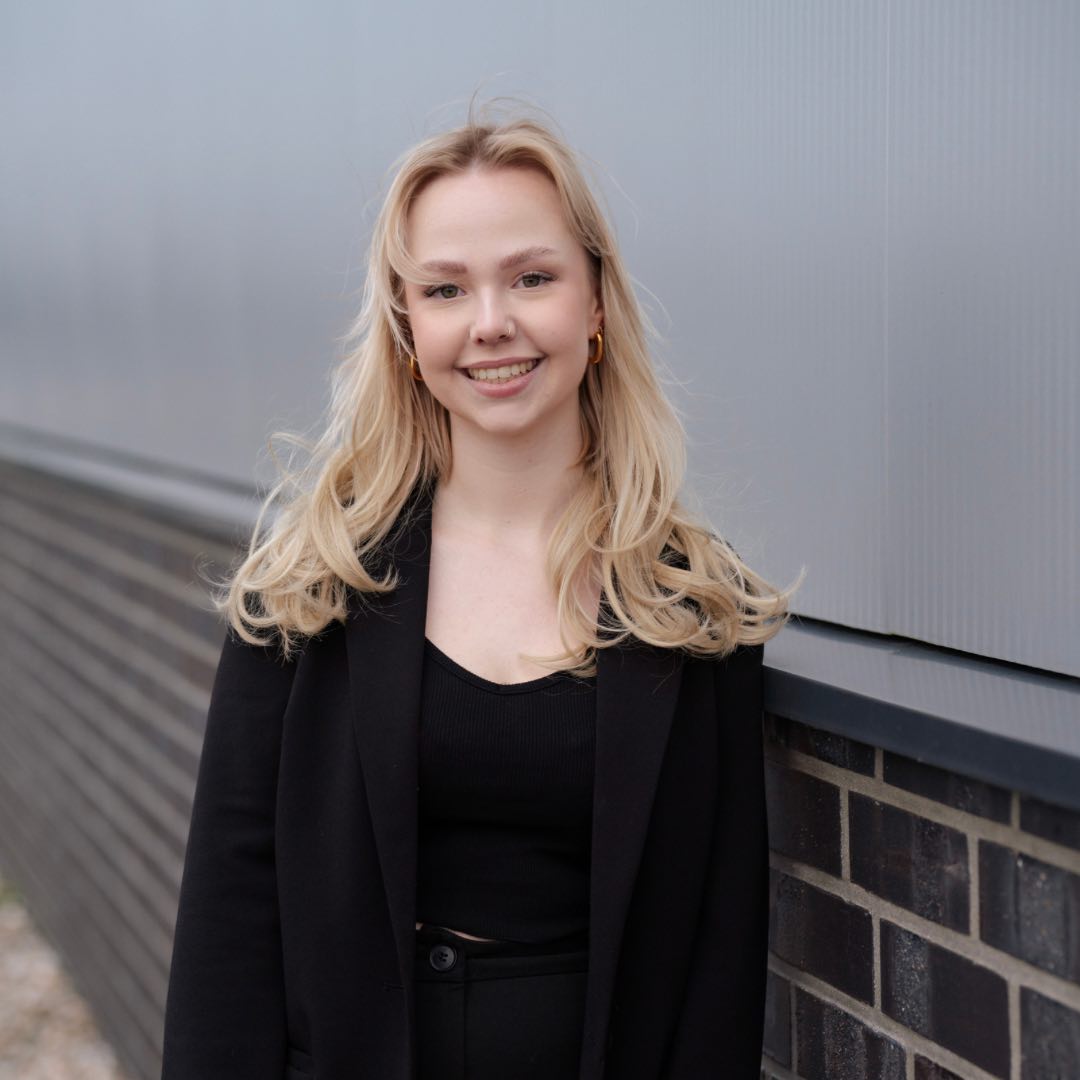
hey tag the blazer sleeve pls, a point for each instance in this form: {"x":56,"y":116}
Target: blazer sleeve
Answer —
{"x":721,"y":1023}
{"x":225,"y":1007}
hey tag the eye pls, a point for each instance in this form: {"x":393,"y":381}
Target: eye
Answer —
{"x":534,"y":278}
{"x":440,"y":291}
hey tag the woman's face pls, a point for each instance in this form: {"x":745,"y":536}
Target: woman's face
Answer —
{"x":513,"y":287}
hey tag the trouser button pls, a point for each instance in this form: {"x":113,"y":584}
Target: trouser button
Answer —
{"x":442,"y":957}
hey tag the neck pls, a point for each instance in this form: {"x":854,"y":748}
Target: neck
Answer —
{"x":508,"y":492}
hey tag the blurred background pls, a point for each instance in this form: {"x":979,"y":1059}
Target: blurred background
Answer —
{"x":855,"y":225}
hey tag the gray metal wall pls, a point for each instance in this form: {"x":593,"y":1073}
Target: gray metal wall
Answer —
{"x":100,"y":737}
{"x":855,"y":221}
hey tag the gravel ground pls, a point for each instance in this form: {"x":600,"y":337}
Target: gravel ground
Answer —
{"x":46,"y":1030}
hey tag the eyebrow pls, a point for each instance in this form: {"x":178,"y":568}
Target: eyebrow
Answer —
{"x":507,"y":262}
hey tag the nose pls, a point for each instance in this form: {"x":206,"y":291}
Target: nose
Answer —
{"x":492,"y":322}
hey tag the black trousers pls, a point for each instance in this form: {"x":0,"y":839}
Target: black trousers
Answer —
{"x":490,"y":1010}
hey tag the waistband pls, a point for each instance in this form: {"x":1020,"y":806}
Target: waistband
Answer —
{"x":442,"y":956}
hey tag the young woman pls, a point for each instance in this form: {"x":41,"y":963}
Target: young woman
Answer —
{"x":481,"y":790}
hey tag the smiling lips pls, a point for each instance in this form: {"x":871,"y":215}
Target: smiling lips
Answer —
{"x":501,"y":372}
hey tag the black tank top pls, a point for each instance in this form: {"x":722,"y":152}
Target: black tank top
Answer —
{"x":505,"y":802}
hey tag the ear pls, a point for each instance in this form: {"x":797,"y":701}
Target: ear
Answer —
{"x":596,"y":314}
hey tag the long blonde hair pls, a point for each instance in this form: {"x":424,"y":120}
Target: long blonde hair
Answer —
{"x":669,"y":579}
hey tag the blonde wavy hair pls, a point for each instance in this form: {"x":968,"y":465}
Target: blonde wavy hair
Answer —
{"x":669,"y":579}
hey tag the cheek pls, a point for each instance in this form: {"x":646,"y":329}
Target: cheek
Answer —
{"x":567,"y":335}
{"x":430,"y":336}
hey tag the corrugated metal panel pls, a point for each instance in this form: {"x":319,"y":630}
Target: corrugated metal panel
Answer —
{"x":859,"y":221}
{"x":984,"y":329}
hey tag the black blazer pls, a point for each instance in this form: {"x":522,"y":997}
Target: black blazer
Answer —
{"x":295,"y":930}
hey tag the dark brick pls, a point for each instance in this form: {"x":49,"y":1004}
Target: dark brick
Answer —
{"x":911,"y":861}
{"x":953,"y":789}
{"x":821,"y":934}
{"x":835,"y":749}
{"x":1049,"y":1038}
{"x":777,"y":1040}
{"x":804,"y":817}
{"x":925,"y":1069}
{"x":945,"y":997}
{"x":1052,"y":822}
{"x":833,"y":1045}
{"x":1030,"y":909}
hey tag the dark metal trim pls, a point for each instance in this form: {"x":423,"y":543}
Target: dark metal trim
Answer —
{"x":1036,"y":752}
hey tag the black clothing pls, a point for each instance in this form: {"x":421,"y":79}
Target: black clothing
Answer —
{"x":505,"y":802}
{"x":295,"y":945}
{"x":492,"y":1010}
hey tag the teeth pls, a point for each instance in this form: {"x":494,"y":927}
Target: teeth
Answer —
{"x":500,"y":374}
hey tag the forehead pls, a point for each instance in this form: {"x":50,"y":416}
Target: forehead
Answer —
{"x":484,"y":211}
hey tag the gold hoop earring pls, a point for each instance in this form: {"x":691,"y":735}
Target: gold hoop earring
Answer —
{"x":595,"y":359}
{"x":414,"y":367}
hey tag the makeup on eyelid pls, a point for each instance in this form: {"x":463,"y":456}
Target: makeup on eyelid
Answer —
{"x":433,"y":290}
{"x":505,"y":285}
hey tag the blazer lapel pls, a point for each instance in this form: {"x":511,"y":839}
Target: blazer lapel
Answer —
{"x":637,"y":687}
{"x":385,"y":646}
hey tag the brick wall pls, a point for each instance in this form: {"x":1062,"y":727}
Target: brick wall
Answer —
{"x":924,"y":925}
